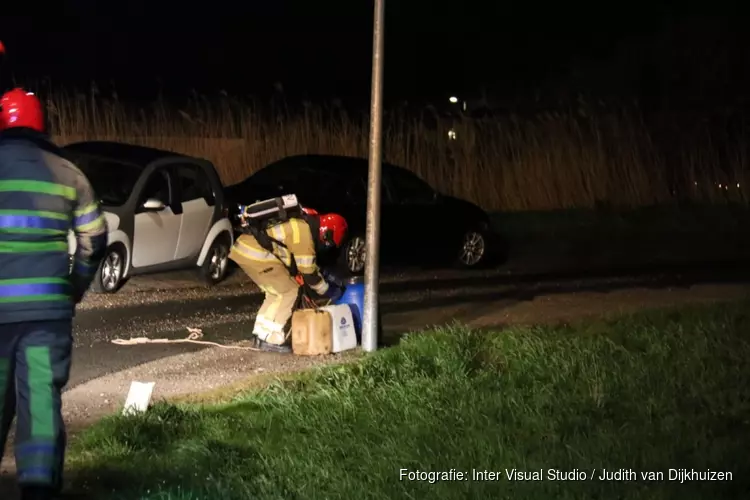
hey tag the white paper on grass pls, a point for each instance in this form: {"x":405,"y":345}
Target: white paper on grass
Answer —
{"x":138,"y":398}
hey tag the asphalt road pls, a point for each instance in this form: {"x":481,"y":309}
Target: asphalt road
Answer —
{"x":164,"y":306}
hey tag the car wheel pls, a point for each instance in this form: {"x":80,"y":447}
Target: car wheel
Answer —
{"x":473,"y":250}
{"x":214,"y":268}
{"x":108,"y":277}
{"x":353,"y":254}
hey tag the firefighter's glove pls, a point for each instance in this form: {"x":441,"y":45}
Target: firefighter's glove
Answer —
{"x":334,"y":292}
{"x":331,"y":278}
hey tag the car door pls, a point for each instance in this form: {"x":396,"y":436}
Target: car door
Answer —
{"x":198,"y":204}
{"x":156,"y":230}
{"x":411,"y":208}
{"x":355,"y":192}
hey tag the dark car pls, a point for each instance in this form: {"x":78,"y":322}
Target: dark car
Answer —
{"x":165,"y":211}
{"x":418,"y":224}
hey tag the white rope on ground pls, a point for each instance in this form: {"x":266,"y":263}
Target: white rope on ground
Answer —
{"x":195,"y":334}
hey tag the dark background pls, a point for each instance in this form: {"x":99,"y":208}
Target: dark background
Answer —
{"x":672,"y":54}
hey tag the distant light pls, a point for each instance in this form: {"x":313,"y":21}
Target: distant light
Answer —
{"x":453,"y":100}
{"x":464,"y":105}
{"x":452,"y":135}
{"x":738,"y":184}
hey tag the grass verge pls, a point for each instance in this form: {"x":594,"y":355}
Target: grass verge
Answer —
{"x":647,"y":392}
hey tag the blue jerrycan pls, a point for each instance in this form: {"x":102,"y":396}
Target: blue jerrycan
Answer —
{"x":354,"y":297}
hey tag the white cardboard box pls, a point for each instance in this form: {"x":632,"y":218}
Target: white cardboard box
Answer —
{"x":342,"y":327}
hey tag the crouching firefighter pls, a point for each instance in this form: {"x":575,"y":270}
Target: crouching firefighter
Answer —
{"x":43,"y":197}
{"x":278,"y":245}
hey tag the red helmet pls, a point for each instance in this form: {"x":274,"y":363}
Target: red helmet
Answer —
{"x":20,"y":108}
{"x":333,"y":229}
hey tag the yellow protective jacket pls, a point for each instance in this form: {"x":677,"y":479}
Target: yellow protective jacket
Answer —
{"x":293,"y":245}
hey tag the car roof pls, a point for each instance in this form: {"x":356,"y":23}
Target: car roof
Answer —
{"x":322,"y":162}
{"x":140,"y":156}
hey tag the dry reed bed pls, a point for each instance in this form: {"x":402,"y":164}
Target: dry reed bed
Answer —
{"x":544,"y":162}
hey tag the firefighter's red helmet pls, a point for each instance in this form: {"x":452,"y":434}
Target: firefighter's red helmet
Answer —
{"x":333,"y":229}
{"x":21,"y":108}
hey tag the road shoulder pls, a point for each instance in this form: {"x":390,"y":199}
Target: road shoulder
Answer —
{"x":211,"y":369}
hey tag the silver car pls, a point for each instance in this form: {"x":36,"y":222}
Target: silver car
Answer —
{"x":165,"y":212}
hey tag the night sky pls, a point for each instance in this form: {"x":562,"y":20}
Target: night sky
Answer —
{"x":322,"y":50}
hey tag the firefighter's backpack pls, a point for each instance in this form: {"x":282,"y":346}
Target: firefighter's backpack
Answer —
{"x":263,"y":214}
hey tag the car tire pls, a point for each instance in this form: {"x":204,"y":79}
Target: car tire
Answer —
{"x":216,"y":265}
{"x":109,"y":276}
{"x":351,"y":259}
{"x":473,"y":251}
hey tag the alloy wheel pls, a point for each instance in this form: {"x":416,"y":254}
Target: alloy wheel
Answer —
{"x":218,"y":265}
{"x":355,"y":254}
{"x":473,"y":248}
{"x":111,"y":271}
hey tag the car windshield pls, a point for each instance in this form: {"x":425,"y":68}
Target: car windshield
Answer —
{"x":113,"y":182}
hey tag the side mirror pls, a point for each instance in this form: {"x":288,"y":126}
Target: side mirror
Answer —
{"x":153,"y":205}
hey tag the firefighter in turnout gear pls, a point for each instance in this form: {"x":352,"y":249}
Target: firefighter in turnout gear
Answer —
{"x":43,"y":197}
{"x":277,"y":250}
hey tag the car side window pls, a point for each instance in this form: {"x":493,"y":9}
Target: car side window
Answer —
{"x":324,"y":180}
{"x":157,"y":187}
{"x":311,"y":186}
{"x":406,"y":187}
{"x":113,"y":182}
{"x":194,"y":183}
{"x":355,"y":188}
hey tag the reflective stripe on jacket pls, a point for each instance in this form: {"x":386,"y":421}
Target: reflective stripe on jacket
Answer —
{"x":43,"y":196}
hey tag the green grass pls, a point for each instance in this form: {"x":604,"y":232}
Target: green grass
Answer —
{"x":648,"y":392}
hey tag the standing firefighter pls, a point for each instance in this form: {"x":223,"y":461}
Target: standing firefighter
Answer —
{"x":278,"y":246}
{"x":42,"y":198}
